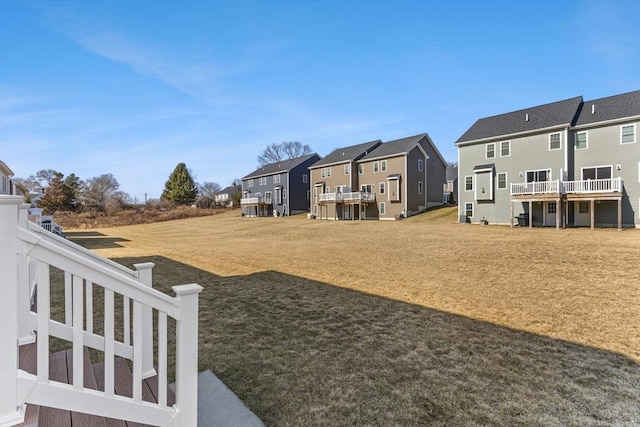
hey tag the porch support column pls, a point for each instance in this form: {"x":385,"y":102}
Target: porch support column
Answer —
{"x":593,"y":214}
{"x":619,"y":213}
{"x":558,"y":213}
{"x":566,"y":214}
{"x":531,"y":214}
{"x":511,"y":210}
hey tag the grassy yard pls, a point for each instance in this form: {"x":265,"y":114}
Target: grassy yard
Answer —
{"x":416,"y":322}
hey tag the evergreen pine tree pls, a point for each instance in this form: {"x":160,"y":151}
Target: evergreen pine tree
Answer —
{"x":180,"y":188}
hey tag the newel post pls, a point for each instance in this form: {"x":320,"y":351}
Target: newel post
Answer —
{"x":144,"y":275}
{"x":25,"y":332}
{"x":187,"y":353}
{"x":10,"y":408}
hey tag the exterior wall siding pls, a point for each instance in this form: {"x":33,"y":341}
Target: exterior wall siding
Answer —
{"x":604,"y":149}
{"x":526,"y":153}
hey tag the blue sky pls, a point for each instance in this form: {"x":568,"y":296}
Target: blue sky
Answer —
{"x":133,"y":88}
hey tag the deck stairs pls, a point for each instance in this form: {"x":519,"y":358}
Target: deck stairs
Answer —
{"x":61,"y":370}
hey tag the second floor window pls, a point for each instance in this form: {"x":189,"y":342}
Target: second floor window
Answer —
{"x":420,"y":165}
{"x":491,"y":151}
{"x":376,"y":167}
{"x":505,"y":148}
{"x":382,"y":188}
{"x":420,"y":185}
{"x":554,"y":141}
{"x":346,"y":169}
{"x":581,"y":140}
{"x":383,"y":165}
{"x":304,"y":178}
{"x":627,"y":134}
{"x":360,"y":169}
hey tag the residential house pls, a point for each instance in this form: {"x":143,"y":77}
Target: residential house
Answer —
{"x":278,"y":189}
{"x":224,"y":198}
{"x":565,"y":163}
{"x":406,"y":176}
{"x":8,"y":185}
{"x":450,"y":187}
{"x":334,"y":183}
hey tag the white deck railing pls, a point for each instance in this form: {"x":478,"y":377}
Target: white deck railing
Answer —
{"x":538,"y":187}
{"x":28,"y":254}
{"x":610,"y":185}
{"x":255,"y":201}
{"x":359,"y":196}
{"x":330,"y":197}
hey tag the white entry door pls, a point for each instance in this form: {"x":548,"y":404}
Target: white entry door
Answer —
{"x":550,"y":209}
{"x":582,"y":213}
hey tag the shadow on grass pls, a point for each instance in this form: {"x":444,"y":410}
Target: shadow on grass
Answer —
{"x":300,"y":352}
{"x":94,"y":240}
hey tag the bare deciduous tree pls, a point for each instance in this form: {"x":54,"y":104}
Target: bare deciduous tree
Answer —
{"x":96,"y":191}
{"x":283,"y":151}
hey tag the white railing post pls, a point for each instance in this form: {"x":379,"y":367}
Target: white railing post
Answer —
{"x":144,"y":276}
{"x":187,"y":353}
{"x":25,"y":332}
{"x":10,"y":407}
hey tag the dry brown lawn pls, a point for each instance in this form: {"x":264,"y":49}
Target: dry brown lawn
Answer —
{"x":414,"y":322}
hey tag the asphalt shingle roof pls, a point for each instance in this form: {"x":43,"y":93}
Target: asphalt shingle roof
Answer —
{"x":539,"y":117}
{"x":347,"y":154}
{"x":398,"y":146}
{"x":610,"y":108}
{"x":279,"y":167}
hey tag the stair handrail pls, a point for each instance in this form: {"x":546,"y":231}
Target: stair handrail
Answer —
{"x":18,"y":387}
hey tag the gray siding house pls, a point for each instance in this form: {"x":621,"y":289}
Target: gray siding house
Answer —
{"x":278,"y":189}
{"x":568,"y":163}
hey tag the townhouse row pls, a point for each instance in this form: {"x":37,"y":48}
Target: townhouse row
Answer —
{"x":372,"y":180}
{"x":567,"y":163}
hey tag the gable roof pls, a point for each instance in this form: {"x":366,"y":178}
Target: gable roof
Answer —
{"x":561,"y":113}
{"x":395,"y":147}
{"x":280,"y":167}
{"x":610,"y":108}
{"x":347,"y":154}
{"x":231,"y":190}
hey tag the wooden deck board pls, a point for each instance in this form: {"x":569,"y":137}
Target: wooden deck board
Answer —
{"x":57,"y":372}
{"x":89,"y":381}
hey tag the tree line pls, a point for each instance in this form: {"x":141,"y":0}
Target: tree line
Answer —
{"x":102,"y":193}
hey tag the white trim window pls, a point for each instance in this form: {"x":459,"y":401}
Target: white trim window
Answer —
{"x":420,"y":187}
{"x":383,"y":166}
{"x":323,"y":173}
{"x":315,"y":209}
{"x":583,"y":207}
{"x":328,"y":172}
{"x":468,"y":209}
{"x":555,"y":141}
{"x":284,"y":194}
{"x":250,"y":183}
{"x":505,"y":148}
{"x":308,"y":191}
{"x":305,"y":179}
{"x":491,"y":151}
{"x":366,"y":188}
{"x":502,"y":181}
{"x":582,"y":141}
{"x":376,"y":167}
{"x":346,"y":169}
{"x":382,"y":208}
{"x":597,"y":172}
{"x":382,"y":188}
{"x":468,"y":183}
{"x":628,"y":134}
{"x":315,"y":192}
{"x":541,"y":175}
{"x":360,"y":169}
{"x":420,"y":165}
{"x":327,"y":189}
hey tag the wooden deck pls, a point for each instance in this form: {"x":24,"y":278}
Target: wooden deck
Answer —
{"x":61,"y":370}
